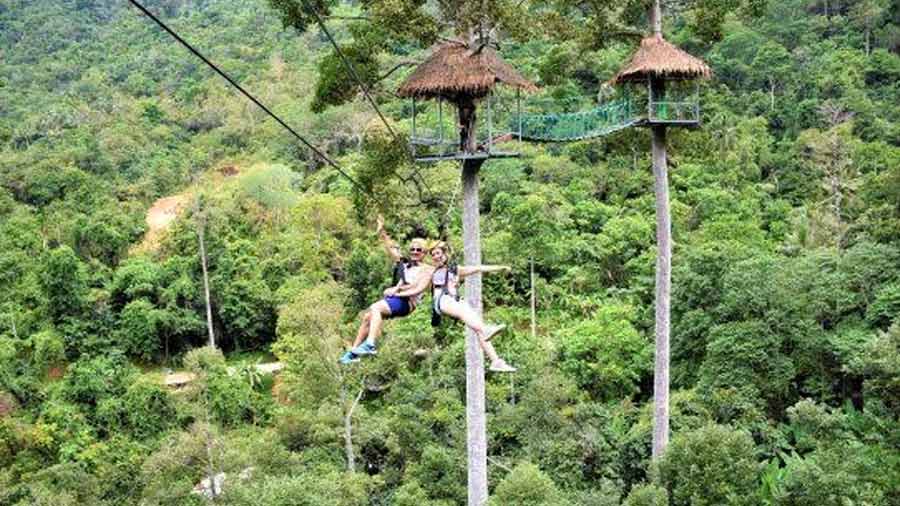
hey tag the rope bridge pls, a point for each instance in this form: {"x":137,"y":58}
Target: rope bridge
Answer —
{"x":563,"y":127}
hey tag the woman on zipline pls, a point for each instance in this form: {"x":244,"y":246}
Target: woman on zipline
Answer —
{"x":407,"y":273}
{"x":445,"y":283}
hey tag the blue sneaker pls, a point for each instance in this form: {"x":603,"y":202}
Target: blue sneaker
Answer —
{"x":348,"y":358}
{"x":365,"y":349}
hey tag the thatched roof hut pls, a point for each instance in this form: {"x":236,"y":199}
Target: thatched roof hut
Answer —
{"x":659,"y":58}
{"x":454,"y":71}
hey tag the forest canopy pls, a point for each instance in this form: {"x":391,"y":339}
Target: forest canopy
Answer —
{"x":119,"y":151}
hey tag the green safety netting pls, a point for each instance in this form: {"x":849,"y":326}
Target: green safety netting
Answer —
{"x":561,"y":127}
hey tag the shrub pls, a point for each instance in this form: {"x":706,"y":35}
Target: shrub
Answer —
{"x":606,"y":354}
{"x":148,"y":408}
{"x":838,"y":476}
{"x":310,"y":489}
{"x":49,"y":348}
{"x":647,"y":495}
{"x":711,"y":466}
{"x":527,"y":485}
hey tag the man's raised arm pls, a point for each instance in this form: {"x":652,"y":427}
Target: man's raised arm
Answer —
{"x":390,"y":246}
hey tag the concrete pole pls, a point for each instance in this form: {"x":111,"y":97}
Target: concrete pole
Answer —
{"x":476,"y":424}
{"x":663,"y":286}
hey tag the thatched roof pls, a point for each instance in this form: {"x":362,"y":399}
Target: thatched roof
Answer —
{"x":453,"y":70}
{"x":658,"y":57}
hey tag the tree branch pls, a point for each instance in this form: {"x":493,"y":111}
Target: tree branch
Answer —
{"x":361,"y":18}
{"x":398,"y":66}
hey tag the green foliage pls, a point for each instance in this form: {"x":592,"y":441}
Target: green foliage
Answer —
{"x":310,"y":342}
{"x":49,"y":349}
{"x":786,"y":215}
{"x":441,"y":473}
{"x":337,"y":85}
{"x":244,"y":298}
{"x":148,"y":409}
{"x":647,"y":495}
{"x":219,"y":394}
{"x":309,"y":489}
{"x":91,"y":380}
{"x":880,"y":364}
{"x":838,"y":475}
{"x":139,"y":328}
{"x":528,"y":486}
{"x":748,"y":357}
{"x":885,"y":309}
{"x":605,"y":354}
{"x":64,"y":282}
{"x":713,"y":465}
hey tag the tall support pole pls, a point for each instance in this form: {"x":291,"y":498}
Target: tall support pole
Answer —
{"x":476,"y":423}
{"x":663,"y":287}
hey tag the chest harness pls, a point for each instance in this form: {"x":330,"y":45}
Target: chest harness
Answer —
{"x":450,"y":270}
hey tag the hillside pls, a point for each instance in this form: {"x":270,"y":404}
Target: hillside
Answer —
{"x":118,"y":149}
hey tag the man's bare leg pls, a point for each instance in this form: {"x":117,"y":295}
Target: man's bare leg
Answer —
{"x":377,"y":312}
{"x":363,"y":331}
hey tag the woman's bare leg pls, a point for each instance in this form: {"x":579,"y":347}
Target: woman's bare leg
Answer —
{"x":465,"y":313}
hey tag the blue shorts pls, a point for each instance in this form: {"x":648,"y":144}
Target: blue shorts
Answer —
{"x":399,"y":306}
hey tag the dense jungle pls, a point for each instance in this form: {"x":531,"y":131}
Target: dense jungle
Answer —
{"x":134,"y":180}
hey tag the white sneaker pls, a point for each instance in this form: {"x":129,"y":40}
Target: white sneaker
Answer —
{"x":491,"y":330}
{"x":500,"y":365}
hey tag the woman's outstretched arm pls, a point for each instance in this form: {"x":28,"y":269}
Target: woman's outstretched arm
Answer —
{"x":465,"y":270}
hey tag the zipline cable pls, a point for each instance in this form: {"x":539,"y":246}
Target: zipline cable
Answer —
{"x":231,"y":81}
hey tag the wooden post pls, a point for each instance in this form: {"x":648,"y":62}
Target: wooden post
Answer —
{"x":663,"y":286}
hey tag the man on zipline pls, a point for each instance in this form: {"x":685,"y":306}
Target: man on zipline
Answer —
{"x":407,"y":273}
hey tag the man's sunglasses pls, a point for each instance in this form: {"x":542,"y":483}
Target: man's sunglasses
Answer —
{"x":416,"y":250}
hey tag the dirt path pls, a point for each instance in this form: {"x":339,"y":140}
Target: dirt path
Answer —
{"x":164,"y":211}
{"x":179,"y":379}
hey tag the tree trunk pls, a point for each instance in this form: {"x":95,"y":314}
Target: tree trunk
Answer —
{"x":209,"y":323}
{"x":476,"y":434}
{"x":663,"y":287}
{"x":348,"y":426}
{"x":771,"y":95}
{"x":467,"y":137}
{"x":210,"y":466}
{"x":656,"y":18}
{"x":533,"y":304}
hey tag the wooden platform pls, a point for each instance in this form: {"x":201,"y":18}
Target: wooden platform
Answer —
{"x":479,"y":155}
{"x":644,"y":122}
